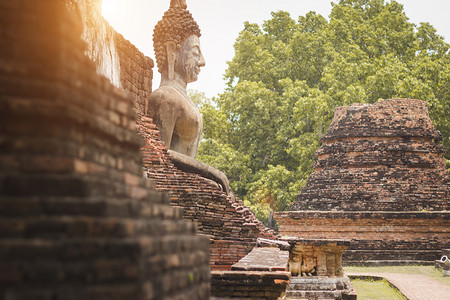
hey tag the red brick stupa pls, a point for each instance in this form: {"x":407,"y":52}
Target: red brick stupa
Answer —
{"x":381,"y":181}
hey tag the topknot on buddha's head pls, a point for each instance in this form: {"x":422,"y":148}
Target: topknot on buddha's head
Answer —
{"x":178,"y":3}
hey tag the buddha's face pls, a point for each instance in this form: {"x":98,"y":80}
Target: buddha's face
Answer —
{"x":190,"y":59}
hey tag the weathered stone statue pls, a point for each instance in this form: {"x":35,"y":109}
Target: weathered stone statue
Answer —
{"x":179,"y":59}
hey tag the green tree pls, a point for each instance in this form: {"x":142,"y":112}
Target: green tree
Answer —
{"x":288,"y":76}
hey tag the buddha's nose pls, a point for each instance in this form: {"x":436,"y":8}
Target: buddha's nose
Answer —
{"x":201,"y":62}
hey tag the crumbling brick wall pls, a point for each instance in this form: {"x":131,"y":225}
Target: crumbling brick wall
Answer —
{"x":380,"y":180}
{"x":124,"y":62}
{"x":77,"y":219}
{"x":393,"y":237}
{"x":136,"y":73}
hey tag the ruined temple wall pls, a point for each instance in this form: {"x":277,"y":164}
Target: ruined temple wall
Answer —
{"x":116,"y":58}
{"x":375,"y":236}
{"x":77,"y":220}
{"x":136,"y":73}
{"x":378,"y":188}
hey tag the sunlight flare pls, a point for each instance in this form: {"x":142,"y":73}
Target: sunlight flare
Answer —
{"x":110,"y":8}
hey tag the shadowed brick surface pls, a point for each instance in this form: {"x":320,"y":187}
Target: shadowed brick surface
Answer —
{"x":249,"y":284}
{"x":261,"y":274}
{"x":77,"y":220}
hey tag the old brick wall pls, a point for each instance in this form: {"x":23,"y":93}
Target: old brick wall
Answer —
{"x":136,"y":72}
{"x":375,"y":236}
{"x":249,"y":284}
{"x":77,"y":220}
{"x":115,"y":57}
{"x":261,"y":274}
{"x":380,"y":180}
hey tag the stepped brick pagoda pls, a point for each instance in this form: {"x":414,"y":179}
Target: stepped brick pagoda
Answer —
{"x":380,"y":180}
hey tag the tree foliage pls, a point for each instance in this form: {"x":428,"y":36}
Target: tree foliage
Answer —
{"x":288,"y":76}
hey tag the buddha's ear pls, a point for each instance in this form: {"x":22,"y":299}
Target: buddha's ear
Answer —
{"x":171,"y":48}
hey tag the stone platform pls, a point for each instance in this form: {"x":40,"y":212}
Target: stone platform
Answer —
{"x":316,"y":268}
{"x":288,"y":269}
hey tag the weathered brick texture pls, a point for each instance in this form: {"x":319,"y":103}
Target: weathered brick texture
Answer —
{"x":77,"y":219}
{"x":249,"y":284}
{"x":136,"y":72}
{"x":134,"y":69}
{"x":380,"y":180}
{"x":380,"y":236}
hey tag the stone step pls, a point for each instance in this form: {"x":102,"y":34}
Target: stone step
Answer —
{"x":312,"y":287}
{"x":314,"y":295}
{"x":322,"y":288}
{"x":319,"y":284}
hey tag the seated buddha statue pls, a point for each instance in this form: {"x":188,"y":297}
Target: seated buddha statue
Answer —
{"x":179,"y":59}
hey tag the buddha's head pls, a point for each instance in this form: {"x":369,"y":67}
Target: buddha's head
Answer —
{"x":176,"y":44}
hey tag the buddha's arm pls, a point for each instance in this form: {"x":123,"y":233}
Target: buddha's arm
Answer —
{"x":163,"y":113}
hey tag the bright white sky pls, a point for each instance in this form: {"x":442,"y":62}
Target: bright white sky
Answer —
{"x":221,"y":21}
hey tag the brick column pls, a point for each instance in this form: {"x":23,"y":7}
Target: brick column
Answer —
{"x":321,"y":263}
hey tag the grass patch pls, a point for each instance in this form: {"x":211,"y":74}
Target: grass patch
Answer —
{"x":420,"y":270}
{"x":376,"y":290}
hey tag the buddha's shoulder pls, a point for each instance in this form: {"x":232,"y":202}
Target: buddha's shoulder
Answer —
{"x":166,"y":93}
{"x":166,"y":90}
